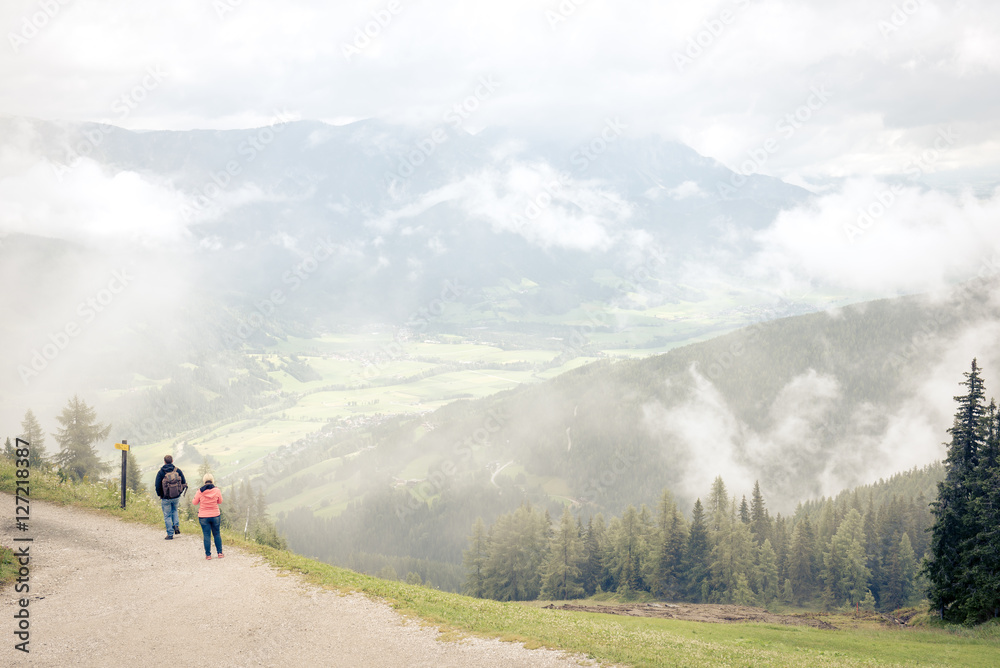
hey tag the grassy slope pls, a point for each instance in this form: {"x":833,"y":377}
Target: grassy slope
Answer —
{"x":627,"y":640}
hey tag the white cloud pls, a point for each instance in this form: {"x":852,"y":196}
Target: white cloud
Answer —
{"x":874,"y":237}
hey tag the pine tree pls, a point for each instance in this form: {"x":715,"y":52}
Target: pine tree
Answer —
{"x":955,"y":524}
{"x":760,"y":520}
{"x":9,"y":451}
{"x":76,"y":438}
{"x":474,"y":561}
{"x":133,"y":474}
{"x":32,"y":432}
{"x":697,"y":552}
{"x":562,"y":569}
{"x":744,"y":511}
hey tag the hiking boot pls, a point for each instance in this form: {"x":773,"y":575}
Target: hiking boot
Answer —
{"x":177,"y":529}
{"x":221,"y":555}
{"x":169,"y":537}
{"x":208,"y":556}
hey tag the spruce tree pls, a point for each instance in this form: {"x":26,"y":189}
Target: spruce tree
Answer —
{"x":77,"y":436}
{"x":801,"y":561}
{"x":954,"y":519}
{"x":593,"y":550}
{"x":760,"y":520}
{"x":697,"y":552}
{"x":32,"y":432}
{"x":9,"y":451}
{"x":667,"y":581}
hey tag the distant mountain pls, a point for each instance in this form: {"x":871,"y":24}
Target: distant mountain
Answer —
{"x":396,"y":212}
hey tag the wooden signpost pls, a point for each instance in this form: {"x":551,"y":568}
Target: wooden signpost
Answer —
{"x":123,"y":446}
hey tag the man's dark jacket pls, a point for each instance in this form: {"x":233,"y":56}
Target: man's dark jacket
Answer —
{"x":164,"y":470}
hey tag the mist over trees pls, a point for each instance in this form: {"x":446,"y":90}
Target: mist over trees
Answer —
{"x":849,"y":550}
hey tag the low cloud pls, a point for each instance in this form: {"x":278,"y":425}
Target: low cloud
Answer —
{"x":876,"y":237}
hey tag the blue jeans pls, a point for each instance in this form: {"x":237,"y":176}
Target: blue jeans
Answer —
{"x":170,"y":518}
{"x":211,"y":524}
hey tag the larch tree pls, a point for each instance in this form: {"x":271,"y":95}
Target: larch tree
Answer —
{"x":31,"y":431}
{"x":474,"y":561}
{"x":562,"y":569}
{"x":76,"y":438}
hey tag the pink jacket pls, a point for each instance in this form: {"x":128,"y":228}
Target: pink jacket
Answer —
{"x":208,"y":501}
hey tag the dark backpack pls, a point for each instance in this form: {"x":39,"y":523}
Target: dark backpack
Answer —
{"x":173,"y":486}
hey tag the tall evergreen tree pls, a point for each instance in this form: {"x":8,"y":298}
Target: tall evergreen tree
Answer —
{"x":760,"y":520}
{"x":9,"y":451}
{"x":845,"y":572}
{"x":77,"y":436}
{"x":767,"y":573}
{"x":954,"y":522}
{"x":474,"y":561}
{"x":697,"y":552}
{"x":667,"y":580}
{"x":802,"y":561}
{"x":593,"y":550}
{"x":562,"y":569}
{"x":32,"y":432}
{"x":627,"y":551}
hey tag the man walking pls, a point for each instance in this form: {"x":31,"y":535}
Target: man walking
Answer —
{"x":170,"y":484}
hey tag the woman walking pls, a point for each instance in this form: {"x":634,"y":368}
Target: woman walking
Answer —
{"x":208,"y":499}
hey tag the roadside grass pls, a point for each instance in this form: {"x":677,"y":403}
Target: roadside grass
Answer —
{"x":633,"y":641}
{"x":8,"y":566}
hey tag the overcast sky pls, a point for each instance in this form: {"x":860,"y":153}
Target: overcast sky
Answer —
{"x":872,"y":82}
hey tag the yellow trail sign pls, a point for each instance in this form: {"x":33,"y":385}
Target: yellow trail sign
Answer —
{"x":121,"y":446}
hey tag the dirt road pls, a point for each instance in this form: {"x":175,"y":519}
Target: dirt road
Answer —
{"x":105,"y":592}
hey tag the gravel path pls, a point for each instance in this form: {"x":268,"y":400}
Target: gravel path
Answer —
{"x":106,"y":592}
